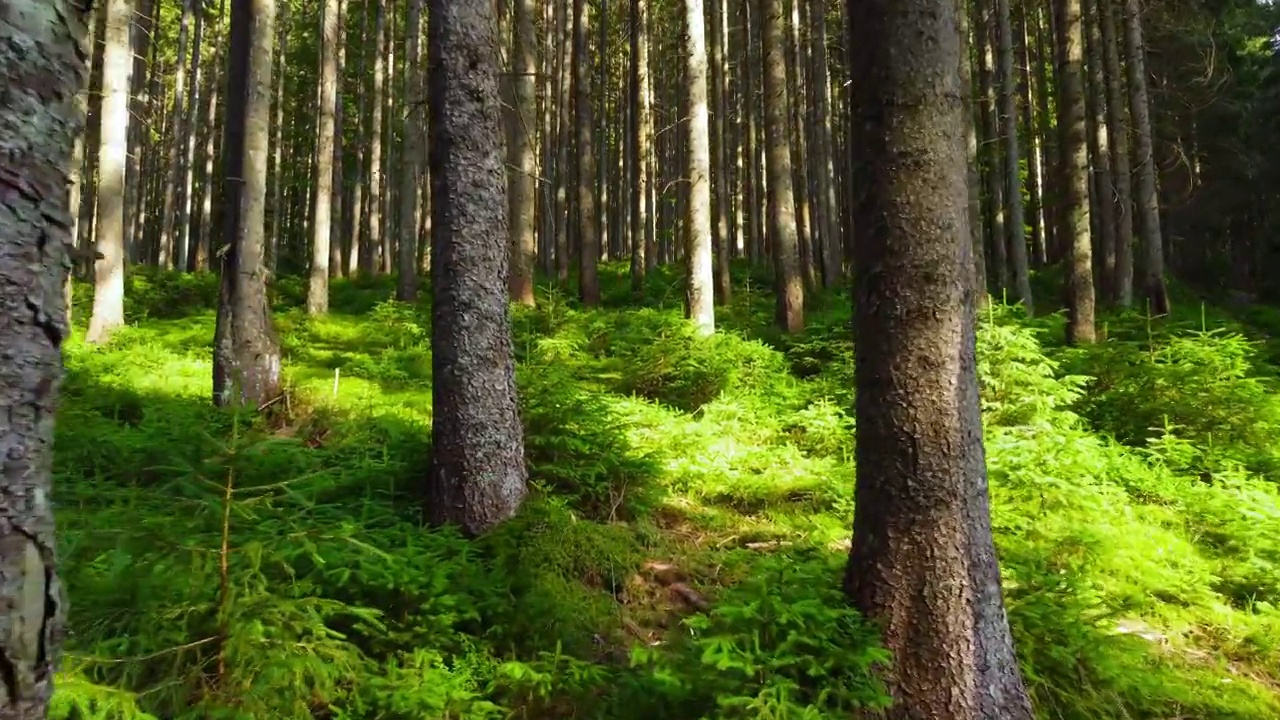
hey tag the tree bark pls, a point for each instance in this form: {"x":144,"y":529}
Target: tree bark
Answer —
{"x":1148,"y":201}
{"x":923,"y":562}
{"x":788,"y":281}
{"x":322,"y":208}
{"x":1074,"y":173}
{"x":246,"y":352}
{"x":477,"y":477}
{"x":641,"y":144}
{"x":1121,"y":167}
{"x":588,"y":239}
{"x":43,"y":71}
{"x":521,"y":159}
{"x":699,"y":266}
{"x":412,"y":165}
{"x":108,"y":283}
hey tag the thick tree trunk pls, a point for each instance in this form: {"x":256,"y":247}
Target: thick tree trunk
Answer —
{"x":477,"y":477}
{"x":923,"y":562}
{"x":246,"y":352}
{"x":108,"y":291}
{"x":788,"y":281}
{"x":699,"y":266}
{"x":43,"y":70}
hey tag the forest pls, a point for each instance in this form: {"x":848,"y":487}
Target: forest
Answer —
{"x":639,"y":359}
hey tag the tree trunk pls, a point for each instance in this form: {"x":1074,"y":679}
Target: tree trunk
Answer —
{"x":43,"y":52}
{"x":788,"y":282}
{"x":521,"y":159}
{"x":1148,"y":202}
{"x":477,"y":477}
{"x":322,"y":209}
{"x":588,"y":239}
{"x":1100,"y":154}
{"x":718,"y":166}
{"x":372,"y":236}
{"x":246,"y":352}
{"x":411,"y":160}
{"x":108,"y":282}
{"x":973,"y":171}
{"x":923,"y":563}
{"x":1015,"y":226}
{"x":699,"y":266}
{"x":1074,"y":172}
{"x":1121,"y":167}
{"x":642,"y":143}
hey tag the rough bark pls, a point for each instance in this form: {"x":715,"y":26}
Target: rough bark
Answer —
{"x":43,"y":70}
{"x":522,"y":164}
{"x":1121,"y":168}
{"x":781,"y":208}
{"x":641,"y":143}
{"x":923,"y":562}
{"x":322,"y":208}
{"x":246,"y":352}
{"x":588,"y":239}
{"x":1073,"y":215}
{"x":699,"y":266}
{"x":1148,"y":202}
{"x":108,"y":281}
{"x":1017,"y":239}
{"x":477,"y":477}
{"x":411,"y":160}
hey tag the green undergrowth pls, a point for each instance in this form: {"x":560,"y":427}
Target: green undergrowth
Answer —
{"x":681,"y":554}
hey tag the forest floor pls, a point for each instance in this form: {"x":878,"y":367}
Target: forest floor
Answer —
{"x":681,"y":555}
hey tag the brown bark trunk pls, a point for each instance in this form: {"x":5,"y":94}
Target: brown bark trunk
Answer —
{"x":477,"y":477}
{"x":923,"y":563}
{"x":788,"y":281}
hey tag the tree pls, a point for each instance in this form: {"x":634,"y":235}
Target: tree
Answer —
{"x":782,"y":230}
{"x":40,"y":119}
{"x":588,"y":239}
{"x":113,"y":152}
{"x":923,"y":562}
{"x":477,"y":477}
{"x":699,"y":269}
{"x":322,"y":209}
{"x":1074,"y":172}
{"x":246,"y":352}
{"x":522,"y":173}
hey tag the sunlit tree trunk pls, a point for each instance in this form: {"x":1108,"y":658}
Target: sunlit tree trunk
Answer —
{"x":1074,"y":173}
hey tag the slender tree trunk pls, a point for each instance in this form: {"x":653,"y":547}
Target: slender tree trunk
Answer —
{"x":522,"y":191}
{"x":642,"y":143}
{"x":1157,"y":293}
{"x":923,"y":563}
{"x":411,"y":160}
{"x":1074,"y":209}
{"x":1103,"y":198}
{"x":1121,"y":169}
{"x":246,"y":352}
{"x":789,"y":283}
{"x":477,"y":477}
{"x":973,"y":171}
{"x":699,"y":267}
{"x":1017,"y":239}
{"x":588,"y":239}
{"x":373,"y":234}
{"x":169,"y":249}
{"x":322,"y":209}
{"x":718,"y":165}
{"x":117,"y":64}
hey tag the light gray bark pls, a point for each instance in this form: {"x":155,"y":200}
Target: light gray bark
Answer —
{"x":322,"y":209}
{"x":522,"y":166}
{"x":43,"y":71}
{"x":699,"y":268}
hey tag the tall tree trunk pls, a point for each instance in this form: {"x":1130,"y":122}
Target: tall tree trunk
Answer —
{"x":372,"y":236}
{"x":923,"y":563}
{"x":994,"y":176}
{"x":477,"y":477}
{"x":1121,"y":168}
{"x":699,"y":267}
{"x":823,"y":149}
{"x":246,"y":352}
{"x":588,"y":239}
{"x":642,"y":143}
{"x":337,"y":237}
{"x":108,"y":283}
{"x":1103,"y":197}
{"x":1153,"y":284}
{"x":43,"y":52}
{"x":172,"y":252}
{"x":322,"y":209}
{"x":973,"y":169}
{"x":1074,"y":173}
{"x":788,"y":281}
{"x":411,"y":160}
{"x":1016,"y":239}
{"x":522,"y":163}
{"x":718,"y":165}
